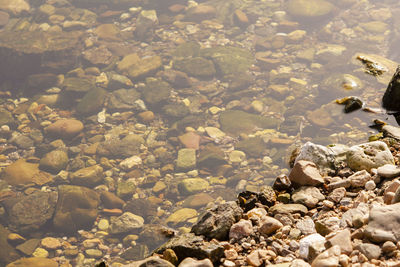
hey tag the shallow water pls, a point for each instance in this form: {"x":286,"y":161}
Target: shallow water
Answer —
{"x":280,"y":63}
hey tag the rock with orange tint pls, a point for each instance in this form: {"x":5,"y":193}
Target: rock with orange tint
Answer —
{"x":190,"y":140}
{"x":64,"y":128}
{"x":35,"y":261}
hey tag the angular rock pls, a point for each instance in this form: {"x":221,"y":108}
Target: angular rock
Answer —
{"x":89,"y":176}
{"x":156,"y":91}
{"x":190,"y":245}
{"x":181,"y":216}
{"x":192,"y":186}
{"x":186,"y":159}
{"x":343,"y":240}
{"x":384,"y":223}
{"x":125,"y":223}
{"x":76,"y":208}
{"x":360,"y":178}
{"x":305,"y":173}
{"x":111,"y":201}
{"x":329,"y":258}
{"x":28,"y":213}
{"x":305,"y":243}
{"x":92,"y":102}
{"x":307,"y":195}
{"x":120,"y":148}
{"x":371,"y":251}
{"x":146,"y":22}
{"x":22,"y":172}
{"x":217,"y":222}
{"x":369,"y":155}
{"x":322,"y":156}
{"x":306,"y":226}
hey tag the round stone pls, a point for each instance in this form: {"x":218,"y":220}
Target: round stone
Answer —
{"x":103,"y":225}
{"x":50,"y":243}
{"x":94,"y":253}
{"x":309,"y":8}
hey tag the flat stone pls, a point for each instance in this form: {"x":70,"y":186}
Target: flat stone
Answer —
{"x":383,"y":223}
{"x":181,"y":216}
{"x":22,"y":172}
{"x":391,"y":131}
{"x":54,"y":161}
{"x":288,"y":208}
{"x":186,"y":159}
{"x":305,"y":243}
{"x":343,"y":240}
{"x":389,"y":171}
{"x":125,"y":223}
{"x":305,"y":173}
{"x":190,"y":262}
{"x":307,"y":195}
{"x":328,"y":258}
{"x":50,"y":243}
{"x":371,"y":251}
{"x":34,"y":261}
{"x":89,"y":176}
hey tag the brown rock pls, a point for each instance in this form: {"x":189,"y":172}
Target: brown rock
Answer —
{"x":24,"y":173}
{"x":190,"y":140}
{"x":111,"y":201}
{"x":200,"y":13}
{"x":343,"y":240}
{"x":4,"y":18}
{"x":241,"y":18}
{"x":146,"y":116}
{"x":269,"y":225}
{"x":64,"y":128}
{"x":305,"y":173}
{"x":37,"y":262}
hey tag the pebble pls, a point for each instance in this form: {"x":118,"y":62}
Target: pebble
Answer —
{"x":241,"y":229}
{"x":50,"y":243}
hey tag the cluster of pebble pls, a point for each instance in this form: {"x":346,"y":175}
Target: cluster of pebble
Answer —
{"x":342,"y":215}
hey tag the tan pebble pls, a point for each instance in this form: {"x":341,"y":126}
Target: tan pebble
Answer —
{"x":15,"y":239}
{"x":40,"y":253}
{"x":50,"y":243}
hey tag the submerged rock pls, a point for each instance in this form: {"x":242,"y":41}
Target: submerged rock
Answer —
{"x":28,"y":213}
{"x":236,"y":122}
{"x":309,"y":9}
{"x":22,"y":172}
{"x":76,"y":208}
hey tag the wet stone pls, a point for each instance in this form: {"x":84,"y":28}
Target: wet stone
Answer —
{"x":92,"y":102}
{"x":89,"y":176}
{"x":7,"y":252}
{"x":4,"y":18}
{"x":76,"y":208}
{"x":64,"y":128}
{"x":181,"y":216}
{"x":120,"y":148}
{"x":54,"y":161}
{"x":309,"y":9}
{"x":196,"y":67}
{"x":23,"y":173}
{"x":124,"y":99}
{"x":127,"y":222}
{"x":192,"y":186}
{"x":186,"y":159}
{"x":34,"y":261}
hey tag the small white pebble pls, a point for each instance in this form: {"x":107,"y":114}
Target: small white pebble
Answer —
{"x":370,"y":185}
{"x":328,"y":204}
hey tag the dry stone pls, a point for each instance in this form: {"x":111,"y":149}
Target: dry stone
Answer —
{"x":384,"y":223}
{"x":369,"y":155}
{"x":305,"y":173}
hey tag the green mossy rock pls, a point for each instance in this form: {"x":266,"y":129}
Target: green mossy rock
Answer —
{"x":156,"y":91}
{"x":186,"y":159}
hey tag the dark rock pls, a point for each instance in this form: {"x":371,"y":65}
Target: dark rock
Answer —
{"x":211,"y":157}
{"x":99,"y":56}
{"x":138,"y":252}
{"x":7,"y":252}
{"x":111,"y":201}
{"x":120,"y":148}
{"x":92,"y":102}
{"x":216,"y":222}
{"x":42,"y":81}
{"x":176,"y":110}
{"x":155,"y":235}
{"x":29,"y":246}
{"x":156,"y":91}
{"x":79,"y":84}
{"x":150,"y":262}
{"x":124,"y":99}
{"x":282,"y":183}
{"x":76,"y":208}
{"x":29,"y":213}
{"x":190,"y":245}
{"x":391,"y":98}
{"x":197,"y":67}
{"x":141,"y":207}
